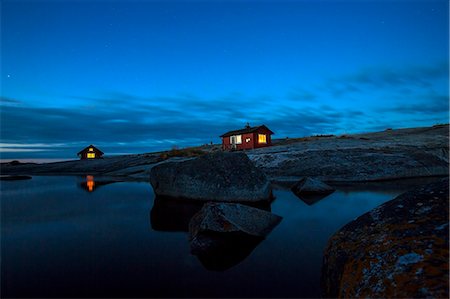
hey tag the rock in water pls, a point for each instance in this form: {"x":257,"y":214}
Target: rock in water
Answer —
{"x":399,"y":249}
{"x":232,"y":218}
{"x":309,"y":186}
{"x":223,"y":234}
{"x":229,"y":177}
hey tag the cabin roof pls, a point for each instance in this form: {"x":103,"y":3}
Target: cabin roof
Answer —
{"x":87,"y":149}
{"x":246,"y":130}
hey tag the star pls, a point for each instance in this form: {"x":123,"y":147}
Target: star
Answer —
{"x":9,"y":76}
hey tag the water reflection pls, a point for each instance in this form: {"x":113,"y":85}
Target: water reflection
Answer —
{"x":173,"y":215}
{"x":311,"y":198}
{"x":90,"y":184}
{"x":221,"y":251}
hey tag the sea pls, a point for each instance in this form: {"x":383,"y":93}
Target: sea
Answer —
{"x":69,"y":236}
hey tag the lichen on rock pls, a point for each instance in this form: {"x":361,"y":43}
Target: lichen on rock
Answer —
{"x":399,"y":249}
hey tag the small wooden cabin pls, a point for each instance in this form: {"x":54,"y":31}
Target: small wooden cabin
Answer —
{"x":90,"y":152}
{"x":247,"y":138}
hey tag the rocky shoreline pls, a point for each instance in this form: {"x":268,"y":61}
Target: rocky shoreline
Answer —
{"x":387,"y":155}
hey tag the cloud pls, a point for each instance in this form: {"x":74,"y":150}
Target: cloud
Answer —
{"x":5,"y":101}
{"x":425,"y":104}
{"x":403,"y":80}
{"x":123,"y":122}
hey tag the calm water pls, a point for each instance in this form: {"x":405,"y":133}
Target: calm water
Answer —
{"x":60,"y":240}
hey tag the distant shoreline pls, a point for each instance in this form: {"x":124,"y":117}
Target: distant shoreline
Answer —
{"x":38,"y":160}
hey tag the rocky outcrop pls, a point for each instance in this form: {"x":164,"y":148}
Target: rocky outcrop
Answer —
{"x":399,"y":249}
{"x":229,"y":177}
{"x":405,"y":153}
{"x":223,"y":234}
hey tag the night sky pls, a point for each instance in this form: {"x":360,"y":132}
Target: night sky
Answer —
{"x":140,"y":76}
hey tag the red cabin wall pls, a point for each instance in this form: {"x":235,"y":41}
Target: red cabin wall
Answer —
{"x":253,"y":142}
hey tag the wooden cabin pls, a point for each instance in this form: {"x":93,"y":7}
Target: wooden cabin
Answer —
{"x":247,"y":138}
{"x":90,"y":152}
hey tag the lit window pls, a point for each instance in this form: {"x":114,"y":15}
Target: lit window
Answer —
{"x":247,"y":139}
{"x":262,"y":138}
{"x":237,"y":139}
{"x":91,"y":149}
{"x":90,"y":155}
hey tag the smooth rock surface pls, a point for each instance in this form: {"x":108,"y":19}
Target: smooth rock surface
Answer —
{"x":386,"y":155}
{"x":221,"y":176}
{"x":399,"y":249}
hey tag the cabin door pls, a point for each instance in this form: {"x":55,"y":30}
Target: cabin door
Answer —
{"x":233,"y":142}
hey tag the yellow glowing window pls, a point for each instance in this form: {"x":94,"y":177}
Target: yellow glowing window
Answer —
{"x":91,"y":155}
{"x":262,"y":138}
{"x":91,"y":149}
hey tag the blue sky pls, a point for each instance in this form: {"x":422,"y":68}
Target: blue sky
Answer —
{"x":139,"y":76}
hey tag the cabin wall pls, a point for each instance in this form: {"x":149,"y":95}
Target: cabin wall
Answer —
{"x":251,"y":143}
{"x":83,"y":155}
{"x":246,"y":144}
{"x":226,"y":143}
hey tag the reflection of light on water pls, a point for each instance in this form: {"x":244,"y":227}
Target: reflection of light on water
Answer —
{"x":90,"y":182}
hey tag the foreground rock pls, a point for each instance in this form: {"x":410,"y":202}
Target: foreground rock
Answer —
{"x":399,"y":249}
{"x":229,"y":177}
{"x":223,"y":234}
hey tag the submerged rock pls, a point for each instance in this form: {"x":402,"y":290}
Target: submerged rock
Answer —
{"x":229,"y":177}
{"x":223,"y":234}
{"x":309,"y":186}
{"x":399,"y":249}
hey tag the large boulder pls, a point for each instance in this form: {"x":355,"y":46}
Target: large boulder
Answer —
{"x":223,"y":234}
{"x":229,"y":177}
{"x":399,"y":249}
